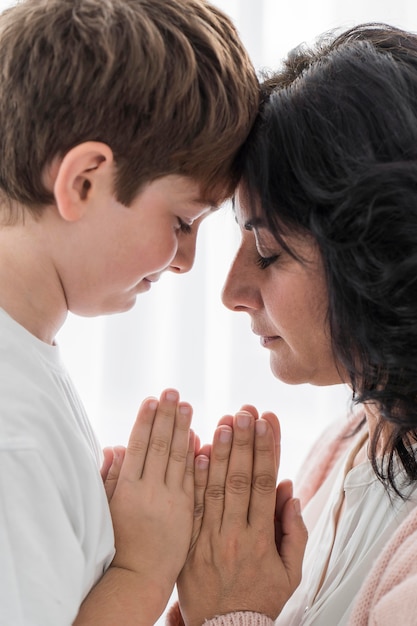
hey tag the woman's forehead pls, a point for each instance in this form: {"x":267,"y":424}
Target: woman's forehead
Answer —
{"x":246,"y":209}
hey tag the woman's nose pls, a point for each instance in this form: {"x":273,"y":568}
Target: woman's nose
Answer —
{"x":240,"y":291}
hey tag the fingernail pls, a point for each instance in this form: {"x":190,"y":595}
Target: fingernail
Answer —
{"x":225,"y":434}
{"x":261,"y":427}
{"x":202,"y":462}
{"x":243,"y":420}
{"x":171,"y":395}
{"x":153,"y":405}
{"x":185,"y":409}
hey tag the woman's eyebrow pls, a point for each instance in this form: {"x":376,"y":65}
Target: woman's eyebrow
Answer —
{"x":253,"y":223}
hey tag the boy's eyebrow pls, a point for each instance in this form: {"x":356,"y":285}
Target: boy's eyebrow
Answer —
{"x":207,"y":202}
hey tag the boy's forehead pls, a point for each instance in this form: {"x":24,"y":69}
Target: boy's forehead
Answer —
{"x":214,"y":195}
{"x":213,"y":204}
{"x":205,"y":199}
{"x":188,"y":191}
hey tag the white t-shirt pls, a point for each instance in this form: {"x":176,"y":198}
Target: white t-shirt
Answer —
{"x":56,"y":535}
{"x":369,"y":520}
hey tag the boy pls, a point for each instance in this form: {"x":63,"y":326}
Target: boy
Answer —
{"x":120,"y":121}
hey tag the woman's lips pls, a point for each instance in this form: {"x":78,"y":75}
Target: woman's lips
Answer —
{"x":266,"y":340}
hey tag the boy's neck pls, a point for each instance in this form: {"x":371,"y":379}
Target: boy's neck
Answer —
{"x":30,"y":288}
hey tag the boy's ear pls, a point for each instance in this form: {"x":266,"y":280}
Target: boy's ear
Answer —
{"x":79,"y":174}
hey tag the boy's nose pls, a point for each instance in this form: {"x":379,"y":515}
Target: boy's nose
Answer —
{"x":184,"y":259}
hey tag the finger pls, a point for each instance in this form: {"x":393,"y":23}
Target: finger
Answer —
{"x":113,"y":474}
{"x":272,"y":419}
{"x":294,"y":540}
{"x":226,"y":420}
{"x":239,"y":474}
{"x":250,"y":409}
{"x":284,"y":492}
{"x":188,"y":478}
{"x":107,"y":461}
{"x":205,"y":450}
{"x":263,"y":496}
{"x":178,"y":453}
{"x":215,"y":491}
{"x":138,"y":444}
{"x":158,"y":453}
{"x":201,"y":471}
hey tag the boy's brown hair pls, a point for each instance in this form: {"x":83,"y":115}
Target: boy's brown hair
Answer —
{"x":166,"y":84}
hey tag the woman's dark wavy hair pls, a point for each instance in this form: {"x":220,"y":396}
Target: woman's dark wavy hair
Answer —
{"x":333,"y":154}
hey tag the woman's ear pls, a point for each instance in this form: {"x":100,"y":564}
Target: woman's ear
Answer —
{"x":76,"y":178}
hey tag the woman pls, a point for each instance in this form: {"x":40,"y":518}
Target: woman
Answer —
{"x":327,"y":271}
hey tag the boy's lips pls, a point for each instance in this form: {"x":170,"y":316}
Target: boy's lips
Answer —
{"x":153,"y":278}
{"x":143,"y":286}
{"x":147,"y":282}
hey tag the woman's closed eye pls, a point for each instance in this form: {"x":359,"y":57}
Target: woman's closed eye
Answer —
{"x":266,"y":246}
{"x":264,"y":262}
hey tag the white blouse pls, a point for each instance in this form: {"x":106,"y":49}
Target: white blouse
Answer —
{"x":340,"y":554}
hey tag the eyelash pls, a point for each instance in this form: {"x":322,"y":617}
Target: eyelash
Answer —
{"x":184,"y":227}
{"x":264,"y":262}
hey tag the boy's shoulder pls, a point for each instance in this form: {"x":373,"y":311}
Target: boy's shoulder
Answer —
{"x":37,"y":398}
{"x":22,"y":354}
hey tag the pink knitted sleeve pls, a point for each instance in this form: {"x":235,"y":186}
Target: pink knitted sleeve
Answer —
{"x":389,"y":593}
{"x":239,"y":618}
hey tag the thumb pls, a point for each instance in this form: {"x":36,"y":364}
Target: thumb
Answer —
{"x":113,"y":472}
{"x":202,"y":463}
{"x":293,"y":541}
{"x":107,"y":461}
